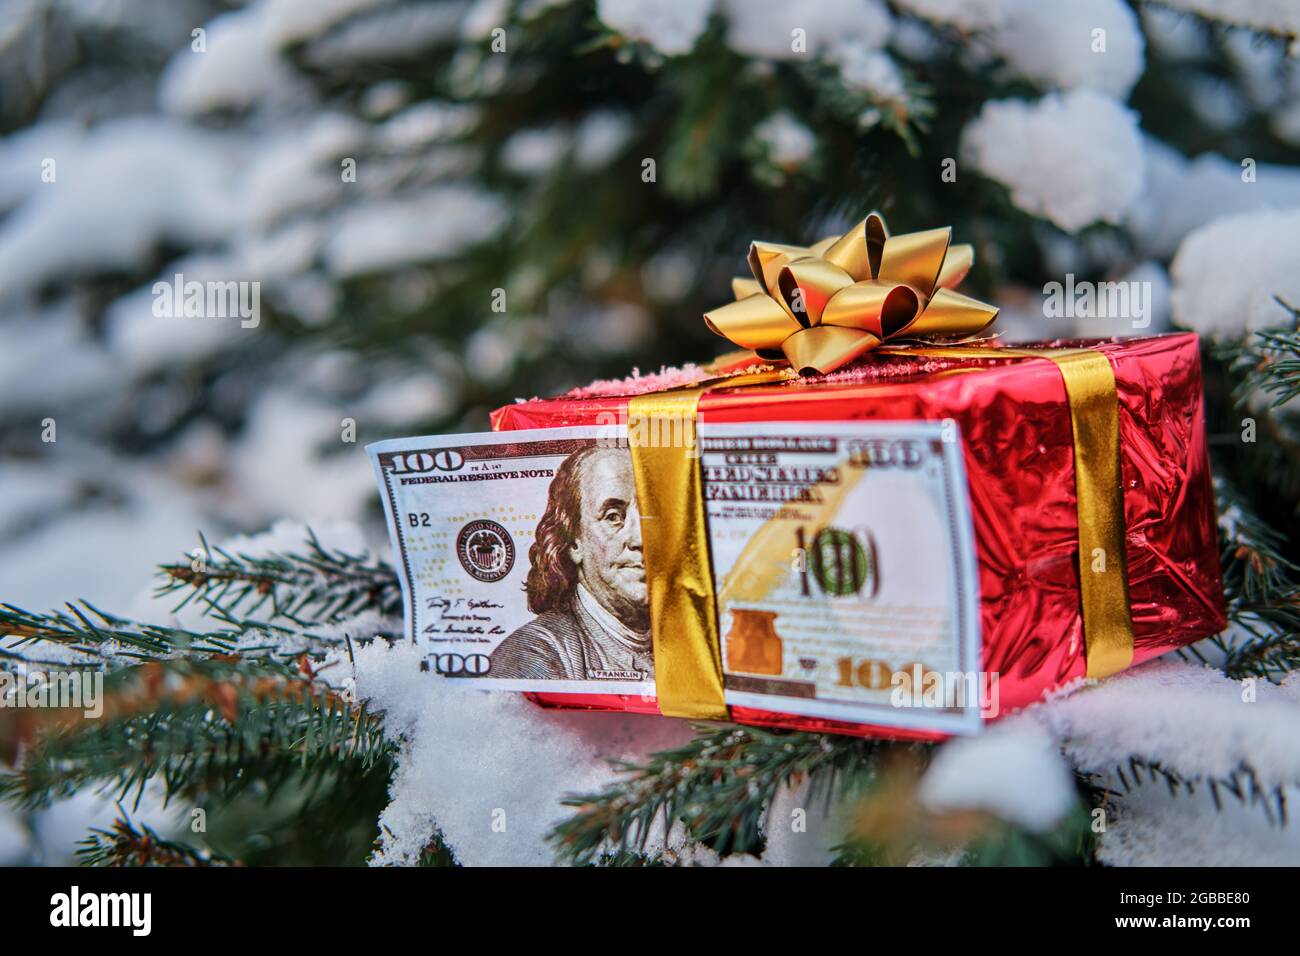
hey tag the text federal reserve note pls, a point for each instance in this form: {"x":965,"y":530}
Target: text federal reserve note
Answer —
{"x":520,"y":554}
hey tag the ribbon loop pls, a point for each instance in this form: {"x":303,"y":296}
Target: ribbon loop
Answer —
{"x":949,"y":313}
{"x":809,"y":350}
{"x":916,"y":258}
{"x":881,"y":308}
{"x":956,"y":264}
{"x":850,"y":253}
{"x":756,"y":322}
{"x":807,"y":285}
{"x":867,"y":284}
{"x":767,"y":259}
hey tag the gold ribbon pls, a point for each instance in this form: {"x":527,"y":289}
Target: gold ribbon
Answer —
{"x":1099,"y":501}
{"x":821,"y":306}
{"x":679,"y":575}
{"x":675,"y":547}
{"x":1099,"y":496}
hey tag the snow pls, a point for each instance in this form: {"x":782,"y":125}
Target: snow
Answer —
{"x":127,"y":185}
{"x":1259,"y":66}
{"x":385,"y":98}
{"x":22,"y":152}
{"x":32,"y":494}
{"x":15,"y":841}
{"x":1179,"y":195}
{"x":427,"y":122}
{"x":430,"y":224}
{"x":1277,"y":16}
{"x":285,"y":536}
{"x":1159,"y":291}
{"x":916,"y":40}
{"x":1051,"y":44}
{"x":401,"y":32}
{"x":871,"y":71}
{"x":1086,"y":165}
{"x":279,"y":253}
{"x":1216,"y":102}
{"x":1153,"y":827}
{"x":764,"y":29}
{"x":786,"y":141}
{"x":59,"y":556}
{"x":1178,"y":37}
{"x":488,"y":770}
{"x":48,"y":338}
{"x":533,"y":152}
{"x":819,"y":831}
{"x":600,"y":137}
{"x":142,"y":342}
{"x":1013,"y":771}
{"x":483,"y":17}
{"x":471,"y":759}
{"x":1194,"y":721}
{"x":592,"y":144}
{"x":1226,"y":274}
{"x":239,"y":65}
{"x":300,"y":168}
{"x":670,"y":28}
{"x":292,"y":21}
{"x":1190,"y":718}
{"x":966,"y":15}
{"x":59,"y":828}
{"x":412,"y":397}
{"x":290,"y":461}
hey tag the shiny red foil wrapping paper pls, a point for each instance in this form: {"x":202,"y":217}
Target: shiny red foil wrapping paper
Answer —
{"x":1019,"y":452}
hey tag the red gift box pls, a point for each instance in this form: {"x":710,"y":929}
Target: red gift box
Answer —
{"x":1016,"y":426}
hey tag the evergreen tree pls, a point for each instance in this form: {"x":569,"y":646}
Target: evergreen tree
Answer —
{"x":448,"y":207}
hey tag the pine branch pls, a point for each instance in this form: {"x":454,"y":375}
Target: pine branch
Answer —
{"x":129,"y":845}
{"x":1261,"y":590}
{"x":708,"y":123}
{"x":100,"y":636}
{"x":319,"y":585}
{"x":277,"y":813}
{"x":908,"y":117}
{"x":1268,"y":361}
{"x":201,"y":726}
{"x":1242,"y":784}
{"x":1261,"y":582}
{"x":719,"y":785}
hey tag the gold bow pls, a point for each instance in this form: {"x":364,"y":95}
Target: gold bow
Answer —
{"x":822,"y":306}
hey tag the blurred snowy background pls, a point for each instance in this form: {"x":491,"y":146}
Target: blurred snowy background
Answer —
{"x":446,"y":206}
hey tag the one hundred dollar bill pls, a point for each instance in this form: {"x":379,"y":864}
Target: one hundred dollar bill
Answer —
{"x":842,"y":553}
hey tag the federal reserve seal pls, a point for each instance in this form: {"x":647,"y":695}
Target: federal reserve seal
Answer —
{"x":485,"y":550}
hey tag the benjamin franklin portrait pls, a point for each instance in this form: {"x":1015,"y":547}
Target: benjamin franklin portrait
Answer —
{"x":586,"y":580}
